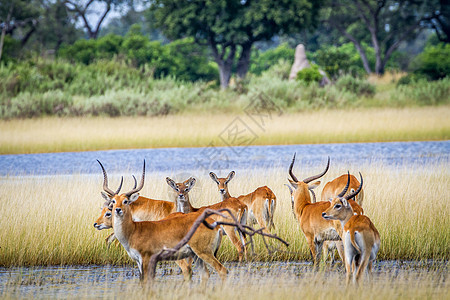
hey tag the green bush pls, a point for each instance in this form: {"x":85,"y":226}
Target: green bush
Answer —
{"x":425,"y":92}
{"x":433,"y":62}
{"x":357,"y":86}
{"x":309,"y":75}
{"x":262,"y":61}
{"x":333,"y":61}
{"x":190,"y":61}
{"x":11,"y":48}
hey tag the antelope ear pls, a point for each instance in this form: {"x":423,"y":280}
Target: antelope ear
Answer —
{"x":313,"y":185}
{"x":190,"y":183}
{"x":213,"y":177}
{"x":106,"y":197}
{"x":133,"y":197}
{"x":293,"y":183}
{"x":230,"y":176}
{"x":172,"y":184}
{"x":345,"y":202}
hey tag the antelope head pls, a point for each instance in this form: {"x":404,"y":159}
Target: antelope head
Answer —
{"x":182,"y":189}
{"x":114,"y":199}
{"x":340,"y":207}
{"x":222,"y":183}
{"x":306,"y":184}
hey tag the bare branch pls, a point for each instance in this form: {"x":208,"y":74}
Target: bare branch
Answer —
{"x":244,"y":229}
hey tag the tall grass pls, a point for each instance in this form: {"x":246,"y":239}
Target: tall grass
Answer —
{"x":189,"y":130}
{"x":48,"y":220}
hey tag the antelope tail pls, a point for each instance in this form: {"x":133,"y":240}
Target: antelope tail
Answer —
{"x":352,"y":240}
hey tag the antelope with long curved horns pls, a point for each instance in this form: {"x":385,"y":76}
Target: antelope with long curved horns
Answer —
{"x":361,"y":238}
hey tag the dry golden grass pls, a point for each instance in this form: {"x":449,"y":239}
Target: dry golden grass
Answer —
{"x":48,"y":220}
{"x":188,"y":130}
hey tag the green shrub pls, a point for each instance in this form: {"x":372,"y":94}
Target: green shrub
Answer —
{"x":28,"y":105}
{"x":425,"y":92}
{"x":433,"y":62}
{"x":190,"y":61}
{"x":10,"y":50}
{"x":357,"y":86}
{"x":84,"y":51}
{"x":311,"y":74}
{"x":262,"y":61}
{"x":334,"y":61}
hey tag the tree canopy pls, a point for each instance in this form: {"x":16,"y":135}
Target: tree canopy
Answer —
{"x":231,"y":27}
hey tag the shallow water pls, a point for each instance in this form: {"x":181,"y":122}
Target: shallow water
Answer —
{"x":109,"y":281}
{"x":226,"y":158}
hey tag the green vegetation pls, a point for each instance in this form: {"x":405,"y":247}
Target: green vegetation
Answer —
{"x":310,"y":75}
{"x":41,"y":87}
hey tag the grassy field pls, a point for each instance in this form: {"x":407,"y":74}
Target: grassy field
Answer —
{"x":49,"y":220}
{"x":189,"y":130}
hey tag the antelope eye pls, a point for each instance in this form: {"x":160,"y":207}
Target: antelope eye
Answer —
{"x":108,"y":214}
{"x":338,"y":206}
{"x":125,"y":202}
{"x":113,"y":201}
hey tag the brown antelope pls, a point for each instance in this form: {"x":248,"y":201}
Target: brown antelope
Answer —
{"x":183,"y":204}
{"x":330,"y":190}
{"x":261,"y":203}
{"x":309,"y":215}
{"x":238,"y":209}
{"x":143,"y":239}
{"x":361,"y":238}
{"x":334,"y":187}
{"x":142,"y":209}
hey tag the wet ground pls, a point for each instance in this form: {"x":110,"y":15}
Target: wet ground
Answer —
{"x":107,"y":281}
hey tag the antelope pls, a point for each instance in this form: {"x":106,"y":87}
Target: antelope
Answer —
{"x":142,"y":209}
{"x":183,"y":204}
{"x":330,"y":190}
{"x":143,"y":239}
{"x":238,"y":209}
{"x":261,"y":203}
{"x":309,"y":215}
{"x":361,"y":238}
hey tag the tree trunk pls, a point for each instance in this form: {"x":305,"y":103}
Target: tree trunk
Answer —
{"x":244,"y":60}
{"x":363,"y":56}
{"x":225,"y":64}
{"x":2,"y":38}
{"x":225,"y":74}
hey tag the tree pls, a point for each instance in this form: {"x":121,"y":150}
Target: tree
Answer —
{"x":386,"y":23}
{"x":82,"y":9}
{"x":56,"y":26}
{"x":439,"y":20}
{"x":231,"y":27}
{"x":18,"y":15}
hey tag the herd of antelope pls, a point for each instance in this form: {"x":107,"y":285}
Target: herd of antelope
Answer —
{"x":146,"y":226}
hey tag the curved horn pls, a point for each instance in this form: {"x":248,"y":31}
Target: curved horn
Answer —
{"x":105,"y":181}
{"x":350,"y":196}
{"x":309,"y":179}
{"x":120,"y":186}
{"x":341,"y":194}
{"x":135,"y":182}
{"x":290,"y":188}
{"x":290,"y":169}
{"x":141,"y":185}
